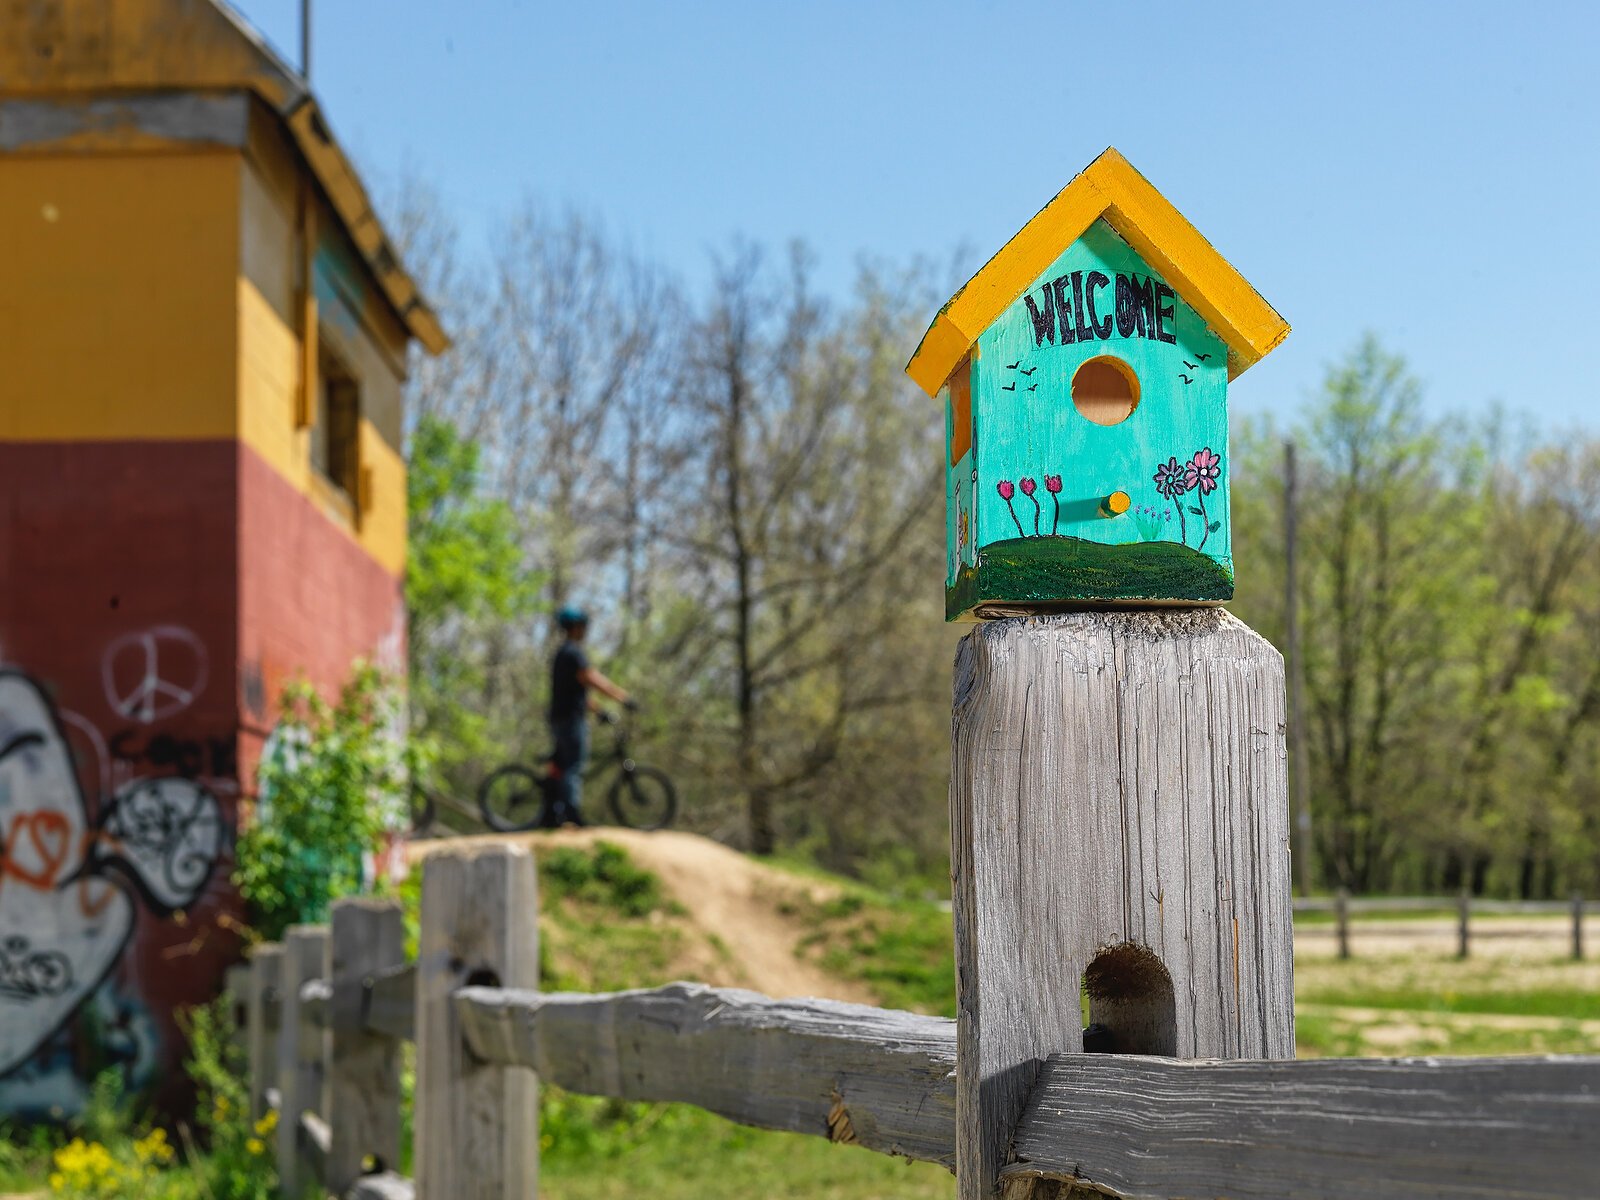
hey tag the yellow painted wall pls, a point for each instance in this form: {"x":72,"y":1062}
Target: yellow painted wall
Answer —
{"x":367,"y":338}
{"x":117,"y":278}
{"x":153,"y":296}
{"x":268,"y":390}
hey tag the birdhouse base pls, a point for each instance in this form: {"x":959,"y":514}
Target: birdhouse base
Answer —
{"x":1054,"y":573}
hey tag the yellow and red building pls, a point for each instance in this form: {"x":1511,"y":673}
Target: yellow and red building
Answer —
{"x":203,"y":342}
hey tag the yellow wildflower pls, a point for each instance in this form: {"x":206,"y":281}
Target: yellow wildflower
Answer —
{"x":254,"y":1145}
{"x":154,"y":1148}
{"x":267,"y":1123}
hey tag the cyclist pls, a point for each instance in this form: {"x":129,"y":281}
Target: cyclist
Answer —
{"x":571,"y":678}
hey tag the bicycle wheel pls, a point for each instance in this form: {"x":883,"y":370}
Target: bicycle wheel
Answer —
{"x":643,"y":798}
{"x":511,"y":799}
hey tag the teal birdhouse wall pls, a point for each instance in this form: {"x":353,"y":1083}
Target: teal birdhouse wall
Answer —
{"x":1087,"y":428}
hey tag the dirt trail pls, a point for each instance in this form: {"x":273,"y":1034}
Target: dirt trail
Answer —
{"x":727,"y":895}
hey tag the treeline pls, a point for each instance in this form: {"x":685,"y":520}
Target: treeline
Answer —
{"x":1450,"y":608}
{"x":743,"y":487}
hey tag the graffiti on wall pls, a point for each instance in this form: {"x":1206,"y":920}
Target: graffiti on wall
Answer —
{"x":73,"y":875}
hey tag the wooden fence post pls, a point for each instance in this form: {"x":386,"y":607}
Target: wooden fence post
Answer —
{"x":363,"y":1068}
{"x":1120,"y":821}
{"x":1341,"y":914}
{"x":299,"y":1073}
{"x":1577,"y":926}
{"x":1463,"y":918}
{"x":266,"y":972}
{"x":476,"y":1126}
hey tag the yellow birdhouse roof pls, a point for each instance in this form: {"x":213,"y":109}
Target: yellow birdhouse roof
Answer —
{"x":1108,"y":187}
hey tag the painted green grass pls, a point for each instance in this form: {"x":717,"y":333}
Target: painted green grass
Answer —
{"x":1051,"y":569}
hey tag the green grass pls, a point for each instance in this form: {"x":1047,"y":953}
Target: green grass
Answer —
{"x":1028,"y":570}
{"x":1564,"y":1003}
{"x":901,"y":949}
{"x":600,"y":1149}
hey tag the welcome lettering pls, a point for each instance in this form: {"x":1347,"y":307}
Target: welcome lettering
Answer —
{"x":1076,"y":308}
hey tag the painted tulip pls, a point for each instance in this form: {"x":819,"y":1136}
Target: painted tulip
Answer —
{"x":1028,"y":487}
{"x":1052,"y":484}
{"x":1006,"y":492}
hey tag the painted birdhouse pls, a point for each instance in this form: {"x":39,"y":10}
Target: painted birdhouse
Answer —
{"x":1084,"y":372}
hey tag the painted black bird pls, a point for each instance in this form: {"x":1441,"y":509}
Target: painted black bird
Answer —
{"x":1034,"y":388}
{"x":1030,"y":370}
{"x":1189,"y":364}
{"x":1010,"y":387}
{"x":1014,"y":366}
{"x":1186,"y":380}
{"x":1202,"y":357}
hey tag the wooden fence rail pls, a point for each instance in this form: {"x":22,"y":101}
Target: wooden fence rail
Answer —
{"x":1344,"y":907}
{"x":1121,"y":1125}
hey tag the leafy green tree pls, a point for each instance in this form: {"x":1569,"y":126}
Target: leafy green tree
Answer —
{"x":464,"y":582}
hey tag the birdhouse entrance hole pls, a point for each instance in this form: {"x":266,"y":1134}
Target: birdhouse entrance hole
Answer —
{"x":1105,"y":390}
{"x":1131,"y":1005}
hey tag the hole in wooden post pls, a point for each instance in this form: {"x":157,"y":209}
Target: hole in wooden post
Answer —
{"x":1132,"y":1009}
{"x":483,"y":977}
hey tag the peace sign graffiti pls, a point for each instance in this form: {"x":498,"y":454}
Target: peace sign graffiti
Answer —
{"x":153,"y":674}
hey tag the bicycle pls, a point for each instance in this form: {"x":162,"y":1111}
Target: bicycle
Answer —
{"x":516,"y":797}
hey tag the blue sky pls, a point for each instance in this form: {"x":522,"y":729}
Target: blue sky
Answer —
{"x":1428,"y":171}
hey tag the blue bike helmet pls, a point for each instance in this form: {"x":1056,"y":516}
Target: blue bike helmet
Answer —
{"x":570,"y":616}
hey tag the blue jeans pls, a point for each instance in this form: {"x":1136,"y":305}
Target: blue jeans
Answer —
{"x":571,"y":755}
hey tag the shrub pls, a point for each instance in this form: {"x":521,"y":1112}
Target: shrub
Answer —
{"x":239,"y":1162}
{"x":333,"y":784}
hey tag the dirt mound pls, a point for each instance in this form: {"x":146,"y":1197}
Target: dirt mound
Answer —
{"x":739,"y":905}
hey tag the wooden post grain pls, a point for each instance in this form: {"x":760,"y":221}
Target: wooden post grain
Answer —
{"x":476,"y":1124}
{"x":1577,"y":926}
{"x":1463,"y":918}
{"x":299,"y":1071}
{"x":1119,"y":819}
{"x":1341,"y":915}
{"x":261,"y":1046}
{"x":363,"y":1067}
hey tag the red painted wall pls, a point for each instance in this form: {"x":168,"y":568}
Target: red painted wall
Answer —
{"x":154,"y":597}
{"x":311,"y":601}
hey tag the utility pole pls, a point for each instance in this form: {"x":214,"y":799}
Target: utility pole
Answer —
{"x":305,"y":40}
{"x":1304,"y":848}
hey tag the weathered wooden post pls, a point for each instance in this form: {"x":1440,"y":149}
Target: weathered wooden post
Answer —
{"x":476,"y":1126}
{"x":300,"y":1055}
{"x":1577,"y":926}
{"x":1118,"y":794}
{"x":363,"y":1068}
{"x":1341,"y":916}
{"x":266,"y":971}
{"x":1463,"y":918}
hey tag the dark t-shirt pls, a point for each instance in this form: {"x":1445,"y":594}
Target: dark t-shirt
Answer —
{"x":568,"y":697}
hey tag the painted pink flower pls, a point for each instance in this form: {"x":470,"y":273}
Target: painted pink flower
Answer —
{"x":1052,"y":484}
{"x":1203,"y":471}
{"x":1006,"y":492}
{"x":1028,"y":487}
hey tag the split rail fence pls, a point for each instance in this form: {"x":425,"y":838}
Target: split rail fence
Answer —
{"x":1345,"y":908}
{"x":324,"y":1014}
